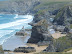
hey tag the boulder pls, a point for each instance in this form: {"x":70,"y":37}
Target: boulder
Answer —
{"x":21,"y":32}
{"x":25,"y":49}
{"x":50,"y":48}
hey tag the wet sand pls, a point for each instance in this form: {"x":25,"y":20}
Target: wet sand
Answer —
{"x":14,"y":42}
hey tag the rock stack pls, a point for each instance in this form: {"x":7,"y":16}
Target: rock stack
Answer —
{"x":21,"y":32}
{"x":39,"y":33}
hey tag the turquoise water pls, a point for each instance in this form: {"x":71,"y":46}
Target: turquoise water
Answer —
{"x":9,"y":24}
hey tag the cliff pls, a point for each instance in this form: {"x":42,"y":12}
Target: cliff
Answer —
{"x":60,"y":44}
{"x":64,"y":15}
{"x":39,"y":33}
{"x":29,"y":6}
{"x":17,"y":6}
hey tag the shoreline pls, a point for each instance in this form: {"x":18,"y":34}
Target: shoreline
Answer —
{"x":14,"y":42}
{"x":38,"y":49}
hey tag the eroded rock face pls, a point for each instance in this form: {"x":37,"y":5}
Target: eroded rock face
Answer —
{"x":39,"y":30}
{"x":64,"y":15}
{"x":18,"y":6}
{"x":21,"y":32}
{"x":50,"y":48}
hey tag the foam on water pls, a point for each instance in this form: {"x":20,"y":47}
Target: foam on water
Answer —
{"x":8,"y":29}
{"x":18,"y":22}
{"x":4,"y":32}
{"x":16,"y":16}
{"x":4,"y":35}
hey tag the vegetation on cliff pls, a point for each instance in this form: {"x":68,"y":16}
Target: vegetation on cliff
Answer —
{"x":63,"y":43}
{"x":53,"y":53}
{"x":1,"y":50}
{"x":64,"y":15}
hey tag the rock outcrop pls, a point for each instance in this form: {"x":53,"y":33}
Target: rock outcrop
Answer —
{"x":21,"y":32}
{"x":60,"y":44}
{"x":64,"y":15}
{"x":25,"y":49}
{"x":39,"y":30}
{"x":50,"y":48}
{"x":18,"y":6}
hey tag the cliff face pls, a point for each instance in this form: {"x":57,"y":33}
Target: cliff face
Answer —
{"x":17,"y":6}
{"x":28,"y":6}
{"x":64,"y":15}
{"x":60,"y":44}
{"x":40,"y":30}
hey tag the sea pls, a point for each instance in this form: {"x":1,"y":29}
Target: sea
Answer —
{"x":11,"y":23}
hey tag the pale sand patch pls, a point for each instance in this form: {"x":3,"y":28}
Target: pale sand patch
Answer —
{"x":58,"y":35}
{"x":69,"y":51}
{"x":38,"y":49}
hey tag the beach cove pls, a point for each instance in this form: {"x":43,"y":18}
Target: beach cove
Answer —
{"x":9,"y":25}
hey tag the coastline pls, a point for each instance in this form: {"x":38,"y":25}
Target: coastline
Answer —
{"x":20,"y":41}
{"x":38,"y":49}
{"x":14,"y":42}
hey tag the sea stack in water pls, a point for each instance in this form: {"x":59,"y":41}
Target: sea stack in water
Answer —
{"x":39,"y":31}
{"x":21,"y":32}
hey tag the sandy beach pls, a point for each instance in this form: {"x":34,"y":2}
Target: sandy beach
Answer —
{"x":20,"y":41}
{"x":14,"y":42}
{"x":38,"y":49}
{"x":58,"y":35}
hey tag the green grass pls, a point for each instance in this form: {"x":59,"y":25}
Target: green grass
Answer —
{"x":48,"y":2}
{"x":45,"y":4}
{"x":61,"y":11}
{"x":53,"y":53}
{"x":59,"y":14}
{"x":63,"y":42}
{"x":41,"y":12}
{"x":71,"y":26}
{"x":68,"y":49}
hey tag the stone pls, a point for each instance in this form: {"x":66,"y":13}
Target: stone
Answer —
{"x":50,"y":48}
{"x":21,"y":32}
{"x":64,"y":15}
{"x":25,"y":49}
{"x":39,"y":32}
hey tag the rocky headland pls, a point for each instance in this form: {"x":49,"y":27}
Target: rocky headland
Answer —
{"x":40,"y":33}
{"x":40,"y":30}
{"x":49,"y":18}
